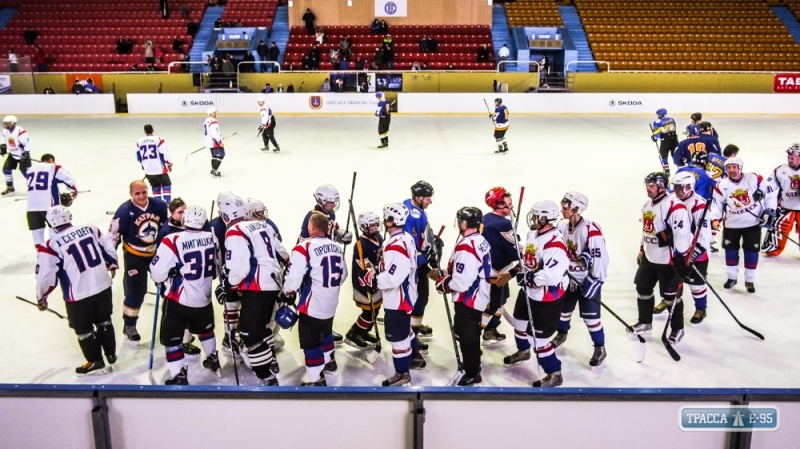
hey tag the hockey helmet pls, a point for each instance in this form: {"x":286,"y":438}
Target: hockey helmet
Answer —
{"x":366,"y":220}
{"x":58,"y":216}
{"x":286,"y":316}
{"x":693,"y":130}
{"x":255,"y":210}
{"x":794,"y":149}
{"x":10,"y":119}
{"x":471,"y":215}
{"x":66,"y":199}
{"x":658,"y":178}
{"x":397,"y":213}
{"x":421,"y":188}
{"x":696,"y":117}
{"x":211,"y":111}
{"x":231,"y":207}
{"x":498,"y":100}
{"x":543,"y":212}
{"x":379,"y":94}
{"x":260,"y":100}
{"x":327,"y":194}
{"x":684,"y":178}
{"x":495,"y":197}
{"x":700,"y":158}
{"x":576,"y":200}
{"x":705,"y":126}
{"x":661,"y":112}
{"x":734,"y":161}
{"x":194,"y":217}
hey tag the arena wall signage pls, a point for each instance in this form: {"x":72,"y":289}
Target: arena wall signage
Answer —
{"x":786,"y":83}
{"x":391,"y":8}
{"x":66,"y":104}
{"x":298,"y":103}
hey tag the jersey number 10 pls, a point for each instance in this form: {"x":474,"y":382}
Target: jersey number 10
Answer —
{"x":85,"y":254}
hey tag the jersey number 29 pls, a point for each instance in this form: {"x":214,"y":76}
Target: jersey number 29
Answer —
{"x":38,"y":180}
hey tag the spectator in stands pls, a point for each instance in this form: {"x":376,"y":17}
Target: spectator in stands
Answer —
{"x":384,"y":27}
{"x":415,"y":67}
{"x":159,"y":55}
{"x":423,"y":44}
{"x":280,"y":89}
{"x":388,"y":51}
{"x":326,"y":86}
{"x":218,"y":23}
{"x":344,"y":58}
{"x":267,"y":89}
{"x":48,"y":90}
{"x":229,"y":24}
{"x":263,"y":55}
{"x":544,"y":70}
{"x":503,"y":55}
{"x":309,"y":19}
{"x":184,"y":68}
{"x":149,"y":51}
{"x":319,"y":35}
{"x":125,"y":46}
{"x":249,"y":65}
{"x":222,"y":2}
{"x":378,"y":58}
{"x":375,"y":28}
{"x":178,"y":44}
{"x":30,"y":36}
{"x":334,"y":57}
{"x":77,"y":87}
{"x":150,"y":68}
{"x":274,"y":52}
{"x":359,"y":63}
{"x":483,"y":53}
{"x":305,"y":63}
{"x":12,"y":61}
{"x":191,"y":28}
{"x":345,"y":43}
{"x":450,"y":67}
{"x":314,"y":52}
{"x":228,"y":67}
{"x":90,"y":88}
{"x":39,"y":59}
{"x":290,"y":88}
{"x":433,"y":44}
{"x":339,"y":86}
{"x":239,"y":24}
{"x":314,"y":63}
{"x":184,"y":11}
{"x":215,"y":71}
{"x":425,"y":66}
{"x":164,"y":9}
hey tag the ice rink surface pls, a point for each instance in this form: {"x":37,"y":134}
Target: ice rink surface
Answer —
{"x":604,"y":157}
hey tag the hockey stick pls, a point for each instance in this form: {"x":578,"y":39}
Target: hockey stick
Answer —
{"x":300,"y":89}
{"x":658,"y":150}
{"x":37,"y":305}
{"x":81,"y":191}
{"x":153,"y":337}
{"x":672,"y":352}
{"x":519,"y":207}
{"x":488,"y":110}
{"x":186,"y":159}
{"x":725,"y":305}
{"x":372,"y":356}
{"x":770,"y":228}
{"x":347,"y":225}
{"x":218,"y":263}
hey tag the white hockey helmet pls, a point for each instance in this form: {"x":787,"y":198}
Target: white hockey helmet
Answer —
{"x":194,"y":217}
{"x":211,"y":111}
{"x":683,"y":178}
{"x":368,"y":219}
{"x":397,"y":213}
{"x":543,"y":212}
{"x":58,"y":216}
{"x":260,"y":100}
{"x":327,"y":194}
{"x":255,"y":210}
{"x":576,"y":200}
{"x":10,"y":119}
{"x":231,"y":207}
{"x":734,"y":161}
{"x":794,"y":149}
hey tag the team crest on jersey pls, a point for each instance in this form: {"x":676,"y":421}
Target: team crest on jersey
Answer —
{"x":414,"y":213}
{"x":147,"y":232}
{"x":315,"y":101}
{"x":742,"y":197}
{"x":11,"y":141}
{"x":647,"y":222}
{"x":530,"y":256}
{"x":794,"y":182}
{"x":572,"y":250}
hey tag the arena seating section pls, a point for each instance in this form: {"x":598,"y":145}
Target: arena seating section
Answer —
{"x":254,"y":13}
{"x":458,"y":45}
{"x":543,"y":13}
{"x":81,"y":35}
{"x":688,"y":35}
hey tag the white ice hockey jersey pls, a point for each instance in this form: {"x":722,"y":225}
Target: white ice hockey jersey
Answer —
{"x":546,"y":255}
{"x":316,"y":271}
{"x":193,"y":254}
{"x":667,"y":215}
{"x":252,"y":250}
{"x":16,"y":141}
{"x":695,"y":205}
{"x":152,"y":153}
{"x":266,"y":116}
{"x":585,"y":237}
{"x":78,"y":258}
{"x":470,"y":268}
{"x":212,"y":133}
{"x":782,"y":188}
{"x":398,"y":277}
{"x":43,"y":179}
{"x":735,"y":198}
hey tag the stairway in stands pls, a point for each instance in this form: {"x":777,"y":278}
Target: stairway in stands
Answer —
{"x":5,"y":15}
{"x":203,"y":35}
{"x":501,"y":34}
{"x":280,"y":30}
{"x":787,"y":18}
{"x":572,"y":22}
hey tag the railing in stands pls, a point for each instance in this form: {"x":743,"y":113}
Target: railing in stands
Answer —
{"x":608,"y":65}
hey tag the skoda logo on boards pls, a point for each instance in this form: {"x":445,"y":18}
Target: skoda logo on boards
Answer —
{"x":185,"y":103}
{"x":390,"y":8}
{"x":613,"y":103}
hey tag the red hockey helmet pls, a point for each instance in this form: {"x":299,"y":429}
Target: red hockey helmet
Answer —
{"x":495,"y":197}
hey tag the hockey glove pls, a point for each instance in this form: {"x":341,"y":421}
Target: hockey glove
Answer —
{"x":346,"y":237}
{"x":287,"y":297}
{"x":3,"y":149}
{"x":684,"y":271}
{"x":770,"y":241}
{"x":221,"y":293}
{"x":664,"y":238}
{"x":367,"y":279}
{"x":591,"y":287}
{"x":174,"y":272}
{"x":42,"y":304}
{"x":526,"y":279}
{"x":260,"y":129}
{"x":758,"y":195}
{"x":654,"y":138}
{"x":443,"y":284}
{"x":697,"y":252}
{"x":26,"y":156}
{"x":768,"y":219}
{"x":66,"y":199}
{"x":585,"y":260}
{"x":639,"y":257}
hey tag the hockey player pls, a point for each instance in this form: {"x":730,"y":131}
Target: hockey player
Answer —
{"x":384,"y":114}
{"x":664,"y":128}
{"x":689,"y":146}
{"x":500,"y":119}
{"x":226,"y":297}
{"x":697,"y":119}
{"x":429,"y":250}
{"x":316,"y":270}
{"x":588,"y":268}
{"x":704,"y":185}
{"x":369,"y":244}
{"x":251,"y":262}
{"x":695,"y":204}
{"x":498,"y":230}
{"x":267,"y":126}
{"x":214,"y":140}
{"x":396,"y":280}
{"x":176,"y":209}
{"x":43,"y":179}
{"x":738,"y":199}
{"x":327,"y":198}
{"x":136,"y":224}
{"x":783,"y":196}
{"x":468,"y":278}
{"x":17,"y":145}
{"x":153,"y":155}
{"x":666,"y":237}
{"x":707,"y":134}
{"x":80,"y":259}
{"x":543,"y":280}
{"x":185,"y":261}
{"x":713,"y":163}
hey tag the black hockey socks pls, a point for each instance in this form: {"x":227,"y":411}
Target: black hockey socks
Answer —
{"x":646,"y":309}
{"x":106,"y":338}
{"x":260,"y":356}
{"x":215,"y":163}
{"x":471,"y":350}
{"x":505,"y":147}
{"x":677,"y":315}
{"x":90,"y":347}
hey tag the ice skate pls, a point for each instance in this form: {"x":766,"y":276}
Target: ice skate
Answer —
{"x":398,"y":380}
{"x":729,"y":283}
{"x":265,"y":149}
{"x":598,"y":356}
{"x":425,"y":331}
{"x":641,"y":328}
{"x":751,"y":287}
{"x":355,"y":340}
{"x":417,"y":362}
{"x":492,"y":337}
{"x":91,"y":369}
{"x":698,"y":317}
{"x":559,"y":339}
{"x":276,"y":150}
{"x":112,"y":359}
{"x":190,"y":350}
{"x":216,"y":173}
{"x":337,"y":337}
{"x":318,"y":383}
{"x":675,"y":336}
{"x":517,"y":358}
{"x":470,"y":381}
{"x":422,"y":347}
{"x":271,"y":381}
{"x":131,"y":335}
{"x":8,"y":191}
{"x":211,"y":363}
{"x":179,"y":379}
{"x":550,"y":380}
{"x":330,"y":367}
{"x":662,"y":306}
